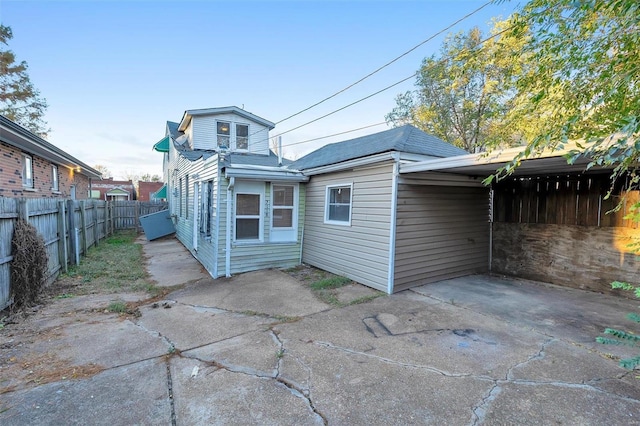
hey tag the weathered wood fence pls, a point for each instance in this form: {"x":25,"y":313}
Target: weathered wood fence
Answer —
{"x":69,"y":228}
{"x":562,"y":200}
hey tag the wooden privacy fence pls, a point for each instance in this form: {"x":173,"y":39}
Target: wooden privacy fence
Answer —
{"x":562,"y":200}
{"x":69,"y":228}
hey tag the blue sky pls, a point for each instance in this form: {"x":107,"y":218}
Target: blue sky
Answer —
{"x":113,"y":72}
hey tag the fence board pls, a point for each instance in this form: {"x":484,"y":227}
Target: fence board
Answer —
{"x":56,"y":221}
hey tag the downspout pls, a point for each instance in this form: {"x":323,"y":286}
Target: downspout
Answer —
{"x":232,"y":182}
{"x":392,"y":225}
{"x":490,"y":228}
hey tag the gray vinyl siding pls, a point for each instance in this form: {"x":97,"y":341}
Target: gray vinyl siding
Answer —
{"x":441,"y":232}
{"x":204,"y":132}
{"x":247,"y":257}
{"x":359,"y":251}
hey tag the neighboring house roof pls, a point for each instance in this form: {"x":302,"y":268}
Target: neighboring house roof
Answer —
{"x":407,"y":138}
{"x":117,"y":191}
{"x":15,"y":135}
{"x":223,"y":110}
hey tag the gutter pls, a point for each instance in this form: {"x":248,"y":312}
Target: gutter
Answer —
{"x":346,"y":165}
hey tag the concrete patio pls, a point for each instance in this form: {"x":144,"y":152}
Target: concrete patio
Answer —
{"x":260,"y":348}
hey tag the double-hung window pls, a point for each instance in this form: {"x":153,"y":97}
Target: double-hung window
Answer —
{"x":248,"y":211}
{"x":242,"y":136}
{"x":223,"y":134}
{"x":338,"y":204}
{"x":55,"y":185}
{"x":27,"y":171}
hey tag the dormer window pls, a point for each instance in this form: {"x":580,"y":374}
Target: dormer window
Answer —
{"x":242,"y":136}
{"x":224,"y":134}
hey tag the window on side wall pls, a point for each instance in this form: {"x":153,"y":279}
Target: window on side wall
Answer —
{"x":338,"y":204}
{"x":55,"y":186}
{"x":186,"y":196}
{"x":180,"y":197}
{"x":27,"y":171}
{"x":248,"y":216}
{"x":223,"y":134}
{"x":242,"y":136}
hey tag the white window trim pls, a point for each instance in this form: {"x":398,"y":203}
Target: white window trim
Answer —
{"x":55,"y":178}
{"x":235,"y":137}
{"x":27,"y":185}
{"x":260,"y":216}
{"x":231,"y":127}
{"x":326,"y":204}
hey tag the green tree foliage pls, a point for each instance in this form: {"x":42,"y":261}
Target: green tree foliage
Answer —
{"x":583,"y":78}
{"x":463,"y":94}
{"x":20,"y":101}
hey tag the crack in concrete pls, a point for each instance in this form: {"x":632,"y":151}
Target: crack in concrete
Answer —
{"x":537,"y":356}
{"x":479,"y":412}
{"x":170,"y":390}
{"x":404,"y":364}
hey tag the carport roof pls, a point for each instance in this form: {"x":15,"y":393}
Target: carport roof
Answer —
{"x":485,"y":164}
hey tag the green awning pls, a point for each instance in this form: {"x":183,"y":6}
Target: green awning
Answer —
{"x":162,"y":145}
{"x":161,"y":193}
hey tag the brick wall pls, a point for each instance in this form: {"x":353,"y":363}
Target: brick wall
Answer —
{"x":11,"y":177}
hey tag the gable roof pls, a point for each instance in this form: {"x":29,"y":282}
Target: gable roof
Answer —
{"x":222,"y":110}
{"x":407,"y":139}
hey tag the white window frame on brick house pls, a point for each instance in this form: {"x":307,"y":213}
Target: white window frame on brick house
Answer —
{"x":55,"y":181}
{"x":331,"y":204}
{"x":27,"y":171}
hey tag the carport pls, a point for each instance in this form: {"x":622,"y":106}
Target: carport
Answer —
{"x":549,"y":221}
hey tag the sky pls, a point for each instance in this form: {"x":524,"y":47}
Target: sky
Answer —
{"x":114,"y":72}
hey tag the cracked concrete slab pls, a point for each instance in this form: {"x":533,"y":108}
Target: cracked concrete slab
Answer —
{"x":261,"y":349}
{"x":188,"y":327}
{"x":169,"y":263}
{"x":546,"y":404}
{"x":133,"y":394}
{"x":270,"y":292}
{"x":235,"y":398}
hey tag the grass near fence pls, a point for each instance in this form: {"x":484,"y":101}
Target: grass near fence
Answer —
{"x":115,"y":265}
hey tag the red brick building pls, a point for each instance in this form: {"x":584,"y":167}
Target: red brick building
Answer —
{"x":147,"y":189}
{"x":113,"y":190}
{"x":33,"y":167}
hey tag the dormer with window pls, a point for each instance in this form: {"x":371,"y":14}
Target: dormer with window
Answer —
{"x":226,"y":129}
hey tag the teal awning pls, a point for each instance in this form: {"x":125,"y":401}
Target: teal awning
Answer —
{"x":161,"y":193}
{"x":162,"y":145}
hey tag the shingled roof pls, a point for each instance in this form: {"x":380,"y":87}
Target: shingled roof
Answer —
{"x":407,"y":138}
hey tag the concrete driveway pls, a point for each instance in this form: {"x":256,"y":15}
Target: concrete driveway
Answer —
{"x":260,"y":348}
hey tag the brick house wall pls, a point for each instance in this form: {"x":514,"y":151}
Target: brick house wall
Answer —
{"x":11,"y":177}
{"x":145,"y":189}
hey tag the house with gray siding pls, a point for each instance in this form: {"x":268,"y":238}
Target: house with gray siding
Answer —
{"x":343,"y":208}
{"x":235,"y":204}
{"x":365,"y":221}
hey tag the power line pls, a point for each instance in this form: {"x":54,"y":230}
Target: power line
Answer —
{"x":335,"y":134}
{"x":347,"y":106}
{"x":388,"y":63}
{"x":388,"y":87}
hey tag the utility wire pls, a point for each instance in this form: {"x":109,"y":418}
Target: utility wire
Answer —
{"x":335,"y":134}
{"x":390,"y":86}
{"x":388,"y":63}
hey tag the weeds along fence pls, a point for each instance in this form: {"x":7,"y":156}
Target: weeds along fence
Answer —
{"x":68,"y":227}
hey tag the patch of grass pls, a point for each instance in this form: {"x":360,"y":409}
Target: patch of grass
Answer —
{"x":114,"y":265}
{"x":365,"y":299}
{"x":280,"y":353}
{"x":117,"y":307}
{"x":329,"y":283}
{"x":65,"y":296}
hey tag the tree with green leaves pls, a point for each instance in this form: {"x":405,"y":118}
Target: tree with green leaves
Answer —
{"x":20,"y":101}
{"x":464,"y":94}
{"x":584,"y":78}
